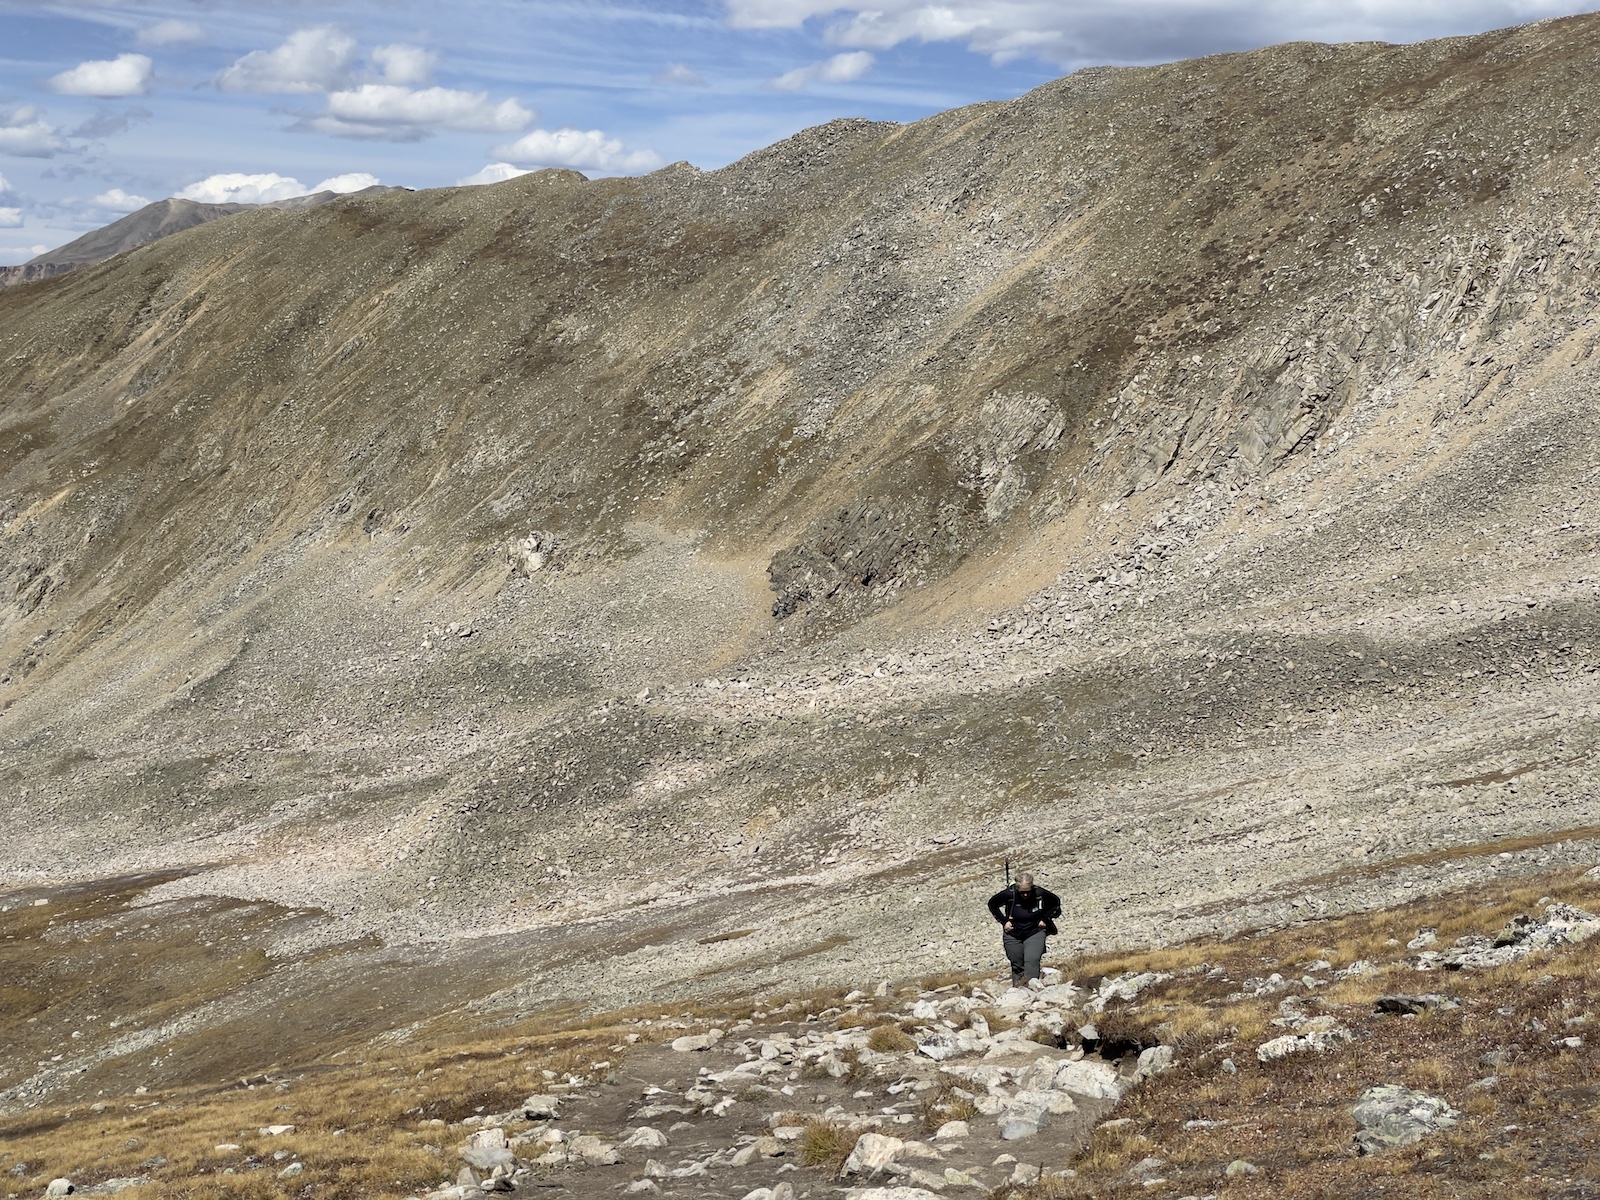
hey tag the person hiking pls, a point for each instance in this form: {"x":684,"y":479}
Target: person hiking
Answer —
{"x":1028,"y":914}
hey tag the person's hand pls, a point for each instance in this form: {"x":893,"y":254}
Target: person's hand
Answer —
{"x":1008,"y":926}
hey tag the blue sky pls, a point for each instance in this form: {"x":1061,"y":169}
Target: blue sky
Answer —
{"x":108,"y":104}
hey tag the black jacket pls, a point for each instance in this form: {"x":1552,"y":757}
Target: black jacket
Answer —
{"x":1046,"y":905}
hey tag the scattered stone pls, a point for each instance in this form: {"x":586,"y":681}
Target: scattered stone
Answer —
{"x":292,"y":1170}
{"x":110,"y":1187}
{"x":1390,"y":1116}
{"x":276,"y":1130}
{"x":1240,"y":1167}
{"x":692,"y":1043}
{"x":1148,"y":1169}
{"x":1318,"y":1041}
{"x":594,"y":1151}
{"x":1413,"y":1005}
{"x":873,"y":1152}
{"x":644,"y":1138}
{"x":1089,"y":1077}
{"x":1024,"y":1174}
{"x":541,"y":1108}
{"x":1154,"y":1061}
{"x":60,"y":1187}
{"x":1560,"y":925}
{"x":951,"y":1131}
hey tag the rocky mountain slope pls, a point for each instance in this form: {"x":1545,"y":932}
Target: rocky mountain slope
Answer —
{"x":158,"y":220}
{"x":1178,"y":480}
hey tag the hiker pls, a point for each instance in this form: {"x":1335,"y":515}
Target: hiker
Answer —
{"x":1028,"y":915}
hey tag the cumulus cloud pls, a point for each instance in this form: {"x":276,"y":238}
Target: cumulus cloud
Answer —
{"x":579,"y":150}
{"x":118,"y":200}
{"x":125,"y":75}
{"x":26,"y":134}
{"x":237,"y":188}
{"x":678,"y":75}
{"x":310,"y":60}
{"x":172,"y":33}
{"x":1130,"y":30}
{"x":351,"y":181}
{"x":493,"y":173}
{"x":387,"y":109}
{"x":10,"y":218}
{"x":405,"y":64}
{"x":841,"y":68}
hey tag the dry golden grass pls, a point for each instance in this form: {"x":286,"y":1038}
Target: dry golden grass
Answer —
{"x":826,"y":1145}
{"x":942,"y":1103}
{"x":890,"y":1039}
{"x":361,"y":1120}
{"x":1519,"y":1137}
{"x":996,"y":1020}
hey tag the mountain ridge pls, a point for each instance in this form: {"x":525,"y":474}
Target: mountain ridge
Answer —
{"x":159,"y":219}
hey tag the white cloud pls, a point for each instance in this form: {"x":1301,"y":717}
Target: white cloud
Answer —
{"x":778,"y":14}
{"x":5,"y":186}
{"x":172,"y":33}
{"x":493,"y":173}
{"x":125,"y":75}
{"x":26,"y":134}
{"x":678,"y":75}
{"x":118,"y":200}
{"x":580,"y":150}
{"x":841,"y":68}
{"x":381,"y":109}
{"x":10,"y":218}
{"x":352,"y":181}
{"x":310,"y":60}
{"x":1132,"y":31}
{"x":236,"y":188}
{"x":405,"y":64}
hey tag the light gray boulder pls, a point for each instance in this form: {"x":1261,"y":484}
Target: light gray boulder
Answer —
{"x":1154,"y":1061}
{"x":593,"y":1150}
{"x":644,"y":1138}
{"x":1390,"y":1116}
{"x":541,"y":1107}
{"x":1318,"y":1041}
{"x":873,"y":1152}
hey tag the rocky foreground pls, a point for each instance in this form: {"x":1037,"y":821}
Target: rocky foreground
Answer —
{"x":993,"y":1088}
{"x":1445,"y":1048}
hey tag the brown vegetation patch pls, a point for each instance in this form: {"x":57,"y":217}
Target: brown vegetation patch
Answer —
{"x":1525,"y":1117}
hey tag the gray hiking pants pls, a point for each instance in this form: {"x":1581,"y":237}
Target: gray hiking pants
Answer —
{"x":1025,"y":954}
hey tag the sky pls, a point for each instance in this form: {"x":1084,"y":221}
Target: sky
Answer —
{"x":106,"y":105}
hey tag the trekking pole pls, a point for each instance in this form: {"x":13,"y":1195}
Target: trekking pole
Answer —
{"x":1008,"y":872}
